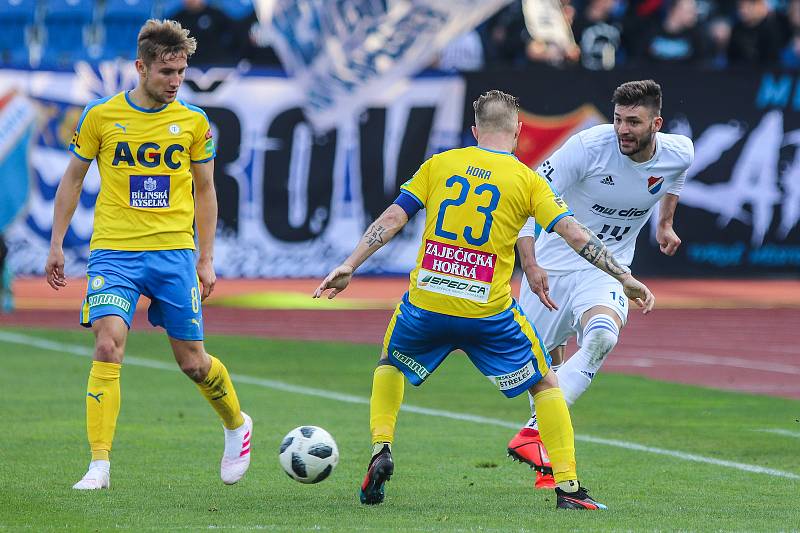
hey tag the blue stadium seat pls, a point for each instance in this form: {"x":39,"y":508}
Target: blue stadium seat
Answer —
{"x":66,"y":23}
{"x":121,"y":22}
{"x":16,"y":17}
{"x":235,"y":9}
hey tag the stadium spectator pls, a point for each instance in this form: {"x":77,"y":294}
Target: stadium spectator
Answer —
{"x":508,"y":40}
{"x":639,"y":18}
{"x":143,"y":241}
{"x":539,"y":49}
{"x":474,"y":312}
{"x":253,"y":43}
{"x":719,"y":30}
{"x":757,"y":37}
{"x":679,"y":39}
{"x":598,"y":35}
{"x":790,"y":55}
{"x":505,"y":36}
{"x":214,"y":30}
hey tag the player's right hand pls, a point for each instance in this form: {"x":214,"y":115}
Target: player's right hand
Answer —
{"x":639,"y":293}
{"x":537,"y":280}
{"x":54,"y":268}
{"x":337,"y":281}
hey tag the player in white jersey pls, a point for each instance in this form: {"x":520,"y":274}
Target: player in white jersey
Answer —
{"x":612,"y":176}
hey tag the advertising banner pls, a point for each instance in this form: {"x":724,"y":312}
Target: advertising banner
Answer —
{"x":17,"y":116}
{"x":293,"y":202}
{"x":739,"y":210}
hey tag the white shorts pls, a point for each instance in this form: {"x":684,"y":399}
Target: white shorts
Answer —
{"x":574,"y":293}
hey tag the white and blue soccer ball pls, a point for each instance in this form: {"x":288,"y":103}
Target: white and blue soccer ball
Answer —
{"x":308,"y":454}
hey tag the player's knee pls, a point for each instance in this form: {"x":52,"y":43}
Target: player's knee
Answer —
{"x":192,"y":359}
{"x":194,"y":368}
{"x":108,"y":350}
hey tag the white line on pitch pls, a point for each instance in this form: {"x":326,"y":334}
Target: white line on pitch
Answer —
{"x":778,"y":431}
{"x":85,"y":351}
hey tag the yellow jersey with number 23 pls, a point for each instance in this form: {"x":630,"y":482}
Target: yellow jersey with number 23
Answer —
{"x":144,"y":157}
{"x":476,"y":201}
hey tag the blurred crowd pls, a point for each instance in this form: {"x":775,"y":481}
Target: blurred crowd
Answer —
{"x":609,"y":34}
{"x":237,"y":39}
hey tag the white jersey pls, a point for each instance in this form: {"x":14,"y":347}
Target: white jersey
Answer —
{"x":608,"y":192}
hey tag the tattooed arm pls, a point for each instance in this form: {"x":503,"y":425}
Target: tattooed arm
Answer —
{"x":378,"y":233}
{"x":587,"y":245}
{"x":585,"y":242}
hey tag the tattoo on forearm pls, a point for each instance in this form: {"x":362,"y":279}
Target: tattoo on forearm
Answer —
{"x":597,"y":254}
{"x":374,"y":235}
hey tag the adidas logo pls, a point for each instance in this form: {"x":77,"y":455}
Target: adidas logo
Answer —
{"x":608,"y":180}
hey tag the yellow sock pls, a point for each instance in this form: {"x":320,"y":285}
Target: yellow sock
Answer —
{"x":387,"y":395}
{"x":102,"y":407}
{"x":218,"y":390}
{"x":555,"y":428}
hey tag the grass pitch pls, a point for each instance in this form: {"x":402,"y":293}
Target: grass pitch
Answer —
{"x":451,"y":475}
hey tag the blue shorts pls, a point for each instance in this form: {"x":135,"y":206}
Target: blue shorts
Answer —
{"x":116,"y":279}
{"x":504,"y":347}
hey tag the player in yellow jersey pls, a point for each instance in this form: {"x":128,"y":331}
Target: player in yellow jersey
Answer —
{"x":476,"y":201}
{"x":152,"y":150}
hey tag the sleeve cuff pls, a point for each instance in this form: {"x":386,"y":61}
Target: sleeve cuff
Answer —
{"x":409,"y":203}
{"x":76,"y":154}
{"x":559,"y":217}
{"x":206,"y":160}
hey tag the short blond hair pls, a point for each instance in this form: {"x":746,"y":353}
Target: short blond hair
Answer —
{"x":496,"y":111}
{"x":160,"y":39}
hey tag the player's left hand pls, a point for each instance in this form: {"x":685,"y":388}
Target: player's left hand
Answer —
{"x":337,"y":281}
{"x":668,"y":240}
{"x":205,"y":272}
{"x":638,"y":292}
{"x":537,"y":280}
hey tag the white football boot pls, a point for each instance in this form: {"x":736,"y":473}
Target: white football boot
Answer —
{"x":97,"y":477}
{"x":236,"y":457}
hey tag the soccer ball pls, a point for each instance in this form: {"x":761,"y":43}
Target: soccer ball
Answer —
{"x":308,"y":454}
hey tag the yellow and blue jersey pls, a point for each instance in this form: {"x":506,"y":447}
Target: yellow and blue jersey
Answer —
{"x":476,"y":201}
{"x":144,"y":156}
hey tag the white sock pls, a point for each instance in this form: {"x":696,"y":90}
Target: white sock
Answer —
{"x":574,"y":377}
{"x":599,"y":338}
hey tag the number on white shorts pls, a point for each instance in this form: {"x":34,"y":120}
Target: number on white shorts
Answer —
{"x":618,"y":299}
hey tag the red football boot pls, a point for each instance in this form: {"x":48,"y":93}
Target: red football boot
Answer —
{"x":527,"y":447}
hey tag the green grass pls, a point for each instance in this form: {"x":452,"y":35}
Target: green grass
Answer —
{"x":450,"y":475}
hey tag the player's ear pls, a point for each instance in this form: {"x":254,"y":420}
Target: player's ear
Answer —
{"x":519,"y":130}
{"x":657,"y":123}
{"x":141,"y":68}
{"x":475,"y":132}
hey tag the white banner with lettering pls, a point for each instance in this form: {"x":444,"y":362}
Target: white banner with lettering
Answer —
{"x":292,"y":203}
